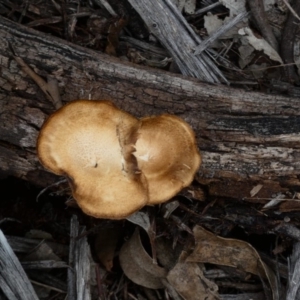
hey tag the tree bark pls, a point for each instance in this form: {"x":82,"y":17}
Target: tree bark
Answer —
{"x":246,"y":138}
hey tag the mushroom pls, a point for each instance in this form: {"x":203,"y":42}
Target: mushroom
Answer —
{"x":81,"y":141}
{"x":167,"y":155}
{"x":116,"y":163}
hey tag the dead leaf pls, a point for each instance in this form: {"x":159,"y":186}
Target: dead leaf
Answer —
{"x":255,"y":190}
{"x":38,"y":234}
{"x":97,"y":25}
{"x":259,"y":44}
{"x":188,"y":280}
{"x":212,"y":22}
{"x":189,"y":6}
{"x":257,"y":71}
{"x":141,"y":219}
{"x":114,"y":31}
{"x":42,"y":252}
{"x":105,"y":245}
{"x":235,"y":7}
{"x":290,"y":205}
{"x":213,"y":249}
{"x":279,"y":249}
{"x":169,"y":207}
{"x":166,"y":254}
{"x":136,"y":57}
{"x":194,"y":192}
{"x":138,"y":265}
{"x":246,"y":55}
{"x":274,"y":201}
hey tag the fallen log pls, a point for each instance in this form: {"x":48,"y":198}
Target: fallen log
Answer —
{"x":246,"y":138}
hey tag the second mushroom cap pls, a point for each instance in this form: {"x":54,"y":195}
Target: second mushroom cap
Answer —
{"x":167,"y":154}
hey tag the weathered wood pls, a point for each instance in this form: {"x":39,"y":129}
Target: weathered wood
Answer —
{"x":13,"y":280}
{"x":293,"y":291}
{"x":166,"y":22}
{"x":80,"y":259}
{"x":245,"y":137}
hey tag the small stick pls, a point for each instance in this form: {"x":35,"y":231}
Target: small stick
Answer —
{"x":49,"y":88}
{"x":291,"y":9}
{"x":287,"y":44}
{"x":260,"y":17}
{"x":204,"y":44}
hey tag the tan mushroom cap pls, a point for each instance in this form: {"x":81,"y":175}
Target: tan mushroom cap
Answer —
{"x":82,"y":141}
{"x":167,"y":155}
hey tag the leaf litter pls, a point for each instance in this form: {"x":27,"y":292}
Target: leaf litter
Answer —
{"x":182,"y":266}
{"x":185,"y":272}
